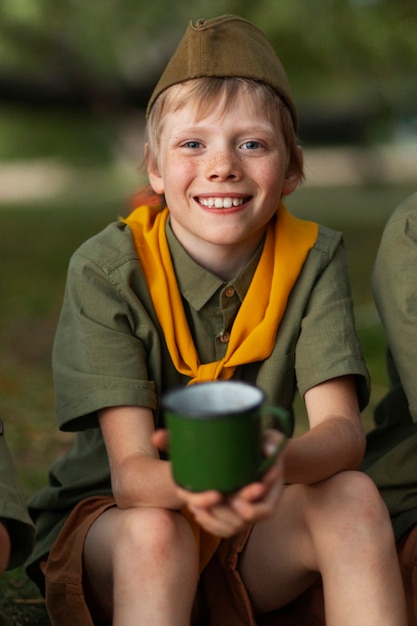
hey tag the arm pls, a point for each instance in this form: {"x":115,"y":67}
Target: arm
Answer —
{"x":139,"y":477}
{"x":335,"y":441}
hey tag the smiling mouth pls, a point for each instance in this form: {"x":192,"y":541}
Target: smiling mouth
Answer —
{"x":222,"y":203}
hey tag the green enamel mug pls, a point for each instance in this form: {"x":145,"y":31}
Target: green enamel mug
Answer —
{"x":216,"y":434}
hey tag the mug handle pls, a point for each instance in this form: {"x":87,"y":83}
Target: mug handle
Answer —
{"x":284,"y":422}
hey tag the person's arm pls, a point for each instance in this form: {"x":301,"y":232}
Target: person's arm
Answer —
{"x":395,"y":293}
{"x":335,"y":441}
{"x":139,"y":476}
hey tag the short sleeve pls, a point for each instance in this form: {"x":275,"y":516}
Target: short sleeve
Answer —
{"x":100,"y":356}
{"x":328,"y":345}
{"x":395,"y":291}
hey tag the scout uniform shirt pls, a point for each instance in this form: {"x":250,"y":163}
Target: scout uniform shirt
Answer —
{"x":110,"y":350}
{"x":13,"y":508}
{"x":391,"y":457}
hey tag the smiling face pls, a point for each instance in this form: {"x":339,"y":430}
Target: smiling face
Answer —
{"x":223,"y":173}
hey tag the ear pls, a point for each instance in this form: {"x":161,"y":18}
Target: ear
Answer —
{"x":154,"y":176}
{"x":290,"y":183}
{"x":292,"y":177}
{"x":156,"y":182}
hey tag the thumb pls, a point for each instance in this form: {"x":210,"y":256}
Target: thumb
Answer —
{"x":160,"y":439}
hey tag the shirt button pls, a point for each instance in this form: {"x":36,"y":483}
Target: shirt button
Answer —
{"x":224,"y":338}
{"x":230,"y":291}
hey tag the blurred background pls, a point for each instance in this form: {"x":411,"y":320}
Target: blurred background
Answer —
{"x":75,"y":77}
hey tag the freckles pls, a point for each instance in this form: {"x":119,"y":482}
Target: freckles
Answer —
{"x":179,"y":167}
{"x":186,"y":164}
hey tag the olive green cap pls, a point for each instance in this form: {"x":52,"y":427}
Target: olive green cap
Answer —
{"x":225,"y":46}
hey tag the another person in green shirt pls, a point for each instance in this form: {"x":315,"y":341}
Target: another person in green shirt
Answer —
{"x":391,"y":457}
{"x":16,"y":527}
{"x":221,"y":282}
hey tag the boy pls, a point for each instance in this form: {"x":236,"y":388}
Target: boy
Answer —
{"x":391,"y":454}
{"x":222,"y":283}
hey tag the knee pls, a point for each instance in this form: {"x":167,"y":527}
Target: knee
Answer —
{"x":158,"y":534}
{"x":353,"y":507}
{"x":362,"y":499}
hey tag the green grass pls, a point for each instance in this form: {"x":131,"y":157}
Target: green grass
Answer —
{"x":20,"y":601}
{"x":35,"y":244}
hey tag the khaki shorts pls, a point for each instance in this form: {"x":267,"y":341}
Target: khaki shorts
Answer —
{"x":63,"y":570}
{"x":407,"y":552}
{"x":220,"y":583}
{"x":230,"y":605}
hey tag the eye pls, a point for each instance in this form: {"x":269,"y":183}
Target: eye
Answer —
{"x":250,"y":145}
{"x":193,"y":143}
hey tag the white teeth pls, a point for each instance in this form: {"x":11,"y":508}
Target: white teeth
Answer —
{"x":221,"y":203}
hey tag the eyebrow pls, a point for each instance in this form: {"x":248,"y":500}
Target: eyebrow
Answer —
{"x":246,"y":129}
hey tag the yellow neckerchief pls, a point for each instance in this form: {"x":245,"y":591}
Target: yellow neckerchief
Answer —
{"x":288,"y":241}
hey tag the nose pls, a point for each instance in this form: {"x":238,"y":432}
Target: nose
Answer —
{"x":223,"y":164}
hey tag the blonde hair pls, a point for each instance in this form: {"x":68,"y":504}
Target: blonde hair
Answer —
{"x":208,"y":92}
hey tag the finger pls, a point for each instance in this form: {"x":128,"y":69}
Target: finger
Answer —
{"x":273,"y":441}
{"x":202,"y":500}
{"x":274,"y":473}
{"x":251,"y":493}
{"x":222,"y":521}
{"x":160,"y":439}
{"x":252,"y":511}
{"x":258,"y":490}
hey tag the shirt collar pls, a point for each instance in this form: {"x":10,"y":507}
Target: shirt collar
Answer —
{"x":196,"y":284}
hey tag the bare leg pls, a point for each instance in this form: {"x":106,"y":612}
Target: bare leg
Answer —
{"x":341,"y":529}
{"x":141,"y":567}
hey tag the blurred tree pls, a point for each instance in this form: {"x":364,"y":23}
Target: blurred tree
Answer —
{"x":75,"y":51}
{"x":345,"y":40}
{"x":340,"y":54}
{"x":77,"y":46}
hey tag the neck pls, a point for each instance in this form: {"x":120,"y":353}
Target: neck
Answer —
{"x":222,"y":260}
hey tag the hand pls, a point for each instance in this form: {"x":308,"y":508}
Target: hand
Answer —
{"x":160,"y":439}
{"x":250,"y":504}
{"x":225,"y":516}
